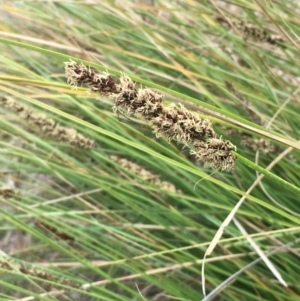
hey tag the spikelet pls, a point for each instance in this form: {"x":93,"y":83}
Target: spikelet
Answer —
{"x":144,"y":174}
{"x":47,"y":125}
{"x":252,"y":31}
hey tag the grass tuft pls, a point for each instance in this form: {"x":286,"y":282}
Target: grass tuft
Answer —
{"x":113,"y":189}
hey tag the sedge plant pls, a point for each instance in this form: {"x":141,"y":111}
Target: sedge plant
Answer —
{"x":144,"y":140}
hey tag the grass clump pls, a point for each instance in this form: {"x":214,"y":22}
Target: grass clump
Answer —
{"x":119,"y":193}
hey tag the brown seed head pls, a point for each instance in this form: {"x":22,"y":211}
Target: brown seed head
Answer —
{"x":47,"y":125}
{"x":145,"y":174}
{"x":173,"y":122}
{"x":216,"y":153}
{"x":252,"y":31}
{"x":79,"y":75}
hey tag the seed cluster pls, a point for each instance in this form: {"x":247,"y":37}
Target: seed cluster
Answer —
{"x":7,"y":192}
{"x":252,"y":31}
{"x":144,"y":174}
{"x":12,"y":266}
{"x":172,"y":122}
{"x":47,"y":125}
